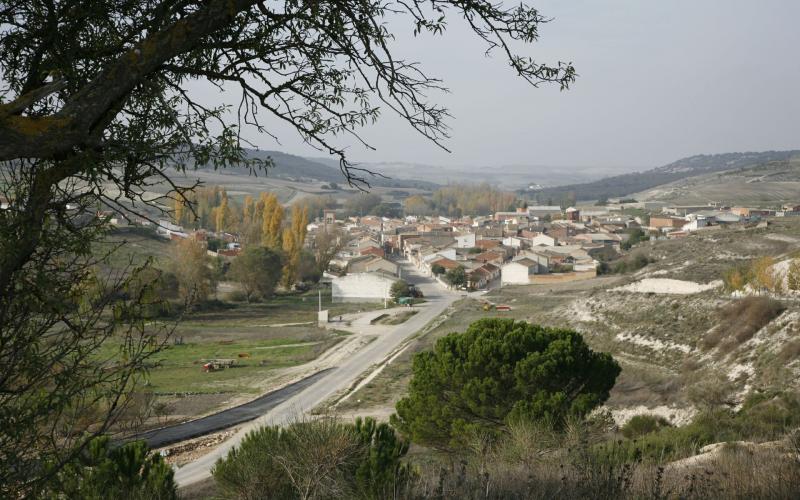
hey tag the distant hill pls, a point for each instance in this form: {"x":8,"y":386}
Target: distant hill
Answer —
{"x":627,"y":184}
{"x":767,"y":184}
{"x":510,"y":176}
{"x":297,"y":168}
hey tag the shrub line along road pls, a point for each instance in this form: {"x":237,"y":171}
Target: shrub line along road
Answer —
{"x":325,"y":384}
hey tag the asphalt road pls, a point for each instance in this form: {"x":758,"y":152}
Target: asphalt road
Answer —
{"x":334,"y":380}
{"x":226,"y":418}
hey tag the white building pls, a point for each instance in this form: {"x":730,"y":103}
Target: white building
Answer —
{"x":166,"y":228}
{"x":466,"y":240}
{"x":362,"y":287}
{"x":518,"y":272}
{"x":543,"y":240}
{"x":512,"y":242}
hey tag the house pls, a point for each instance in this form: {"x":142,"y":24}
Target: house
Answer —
{"x":518,"y":272}
{"x":543,"y":240}
{"x":466,"y":240}
{"x":487,"y":244}
{"x":119,"y":220}
{"x":601,"y":238}
{"x":446,"y":263}
{"x":481,"y":276}
{"x":371,"y":263}
{"x":362,"y":287}
{"x":372,"y":250}
{"x":695,"y":224}
{"x":513,"y":242}
{"x":573,"y":214}
{"x":543,"y":210}
{"x":493,"y":257}
{"x":751,"y":212}
{"x":663,"y":223}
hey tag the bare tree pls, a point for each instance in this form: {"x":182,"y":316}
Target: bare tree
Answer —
{"x":96,"y":108}
{"x":328,"y":241}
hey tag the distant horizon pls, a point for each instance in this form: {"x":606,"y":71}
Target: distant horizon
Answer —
{"x":618,"y":168}
{"x":656,"y":83}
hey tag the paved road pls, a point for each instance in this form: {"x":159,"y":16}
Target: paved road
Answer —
{"x":226,"y":418}
{"x":334,"y":380}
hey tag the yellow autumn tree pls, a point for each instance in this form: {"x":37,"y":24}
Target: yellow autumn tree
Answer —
{"x":764,"y":278}
{"x":222,"y":214}
{"x":247,"y":210}
{"x":293,"y":239}
{"x":179,"y":204}
{"x":272,"y":220}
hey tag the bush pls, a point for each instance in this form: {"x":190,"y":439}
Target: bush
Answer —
{"x":635,"y":236}
{"x":499,"y":370}
{"x":766,"y":416}
{"x":629,"y":264}
{"x":238,"y":296}
{"x":562,"y":268}
{"x":640,"y":425}
{"x":322,"y":458}
{"x":736,"y":277}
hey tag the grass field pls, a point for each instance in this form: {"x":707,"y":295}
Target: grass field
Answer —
{"x":179,"y":367}
{"x":275,"y":334}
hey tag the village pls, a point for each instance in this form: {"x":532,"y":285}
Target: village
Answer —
{"x":531,"y":245}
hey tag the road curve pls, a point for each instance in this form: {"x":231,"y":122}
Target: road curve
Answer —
{"x":251,"y":410}
{"x":333,"y":380}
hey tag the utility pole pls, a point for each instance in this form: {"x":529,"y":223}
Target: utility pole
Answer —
{"x":320,"y":299}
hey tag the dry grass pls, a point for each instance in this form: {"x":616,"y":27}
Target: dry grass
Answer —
{"x":789,"y":352}
{"x":739,"y":322}
{"x":524,"y":468}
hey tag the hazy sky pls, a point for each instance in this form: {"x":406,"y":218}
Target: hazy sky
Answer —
{"x":658,"y":80}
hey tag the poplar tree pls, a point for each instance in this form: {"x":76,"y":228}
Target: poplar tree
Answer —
{"x":247,"y":211}
{"x":222,"y":215}
{"x":272,"y":221}
{"x":293,"y":239}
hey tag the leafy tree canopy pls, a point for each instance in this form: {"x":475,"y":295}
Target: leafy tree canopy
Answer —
{"x":323,"y":458}
{"x":399,"y":289}
{"x":457,"y":277}
{"x":499,"y":370}
{"x":125,"y":472}
{"x":257,"y":270}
